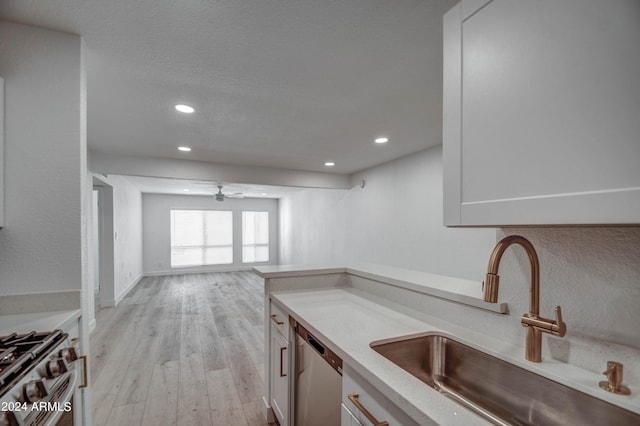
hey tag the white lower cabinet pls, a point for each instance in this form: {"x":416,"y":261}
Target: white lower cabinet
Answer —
{"x":347,"y":417}
{"x":279,"y":372}
{"x":363,"y":404}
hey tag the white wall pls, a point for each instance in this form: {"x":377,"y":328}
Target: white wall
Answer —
{"x":157,"y":237}
{"x":313,"y":227}
{"x":92,"y":266}
{"x":396,"y":219}
{"x":42,"y":243}
{"x":95,"y":245}
{"x":125,"y":219}
{"x":127,"y":235}
{"x":593,"y":273}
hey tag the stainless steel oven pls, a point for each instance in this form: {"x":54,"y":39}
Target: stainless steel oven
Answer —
{"x":39,"y":376}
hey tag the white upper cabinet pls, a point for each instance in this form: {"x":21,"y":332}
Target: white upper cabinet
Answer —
{"x":542,"y":112}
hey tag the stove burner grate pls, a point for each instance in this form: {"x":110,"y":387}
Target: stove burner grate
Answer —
{"x":19,"y":353}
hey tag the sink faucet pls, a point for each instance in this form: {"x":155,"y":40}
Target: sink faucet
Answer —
{"x":534,"y":323}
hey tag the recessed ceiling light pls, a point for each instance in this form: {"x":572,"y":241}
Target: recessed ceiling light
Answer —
{"x":264,"y":193}
{"x":184,"y":148}
{"x":381,"y":140}
{"x":186,"y":190}
{"x":329,"y":164}
{"x":185,"y":108}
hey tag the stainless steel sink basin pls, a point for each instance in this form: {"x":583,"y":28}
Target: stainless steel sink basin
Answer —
{"x":501,"y":392}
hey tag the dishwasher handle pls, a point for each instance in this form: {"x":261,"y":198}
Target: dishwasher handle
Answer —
{"x":325,"y":353}
{"x":316,"y":345}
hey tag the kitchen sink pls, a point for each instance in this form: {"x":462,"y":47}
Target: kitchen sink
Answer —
{"x":497,"y":390}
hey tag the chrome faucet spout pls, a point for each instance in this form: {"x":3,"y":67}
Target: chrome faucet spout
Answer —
{"x":535,"y":324}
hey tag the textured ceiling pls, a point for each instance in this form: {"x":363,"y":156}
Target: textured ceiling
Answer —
{"x":281,"y":83}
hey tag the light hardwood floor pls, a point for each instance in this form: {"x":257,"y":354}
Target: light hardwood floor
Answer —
{"x":181,"y":350}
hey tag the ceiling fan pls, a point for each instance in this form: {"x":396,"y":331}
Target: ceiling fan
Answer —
{"x":220,"y":196}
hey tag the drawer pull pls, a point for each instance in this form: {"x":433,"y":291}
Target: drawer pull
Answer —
{"x":282,"y":374}
{"x":353,"y":397}
{"x":274,"y":318}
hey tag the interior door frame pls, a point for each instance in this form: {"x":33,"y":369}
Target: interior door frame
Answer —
{"x":106,"y":236}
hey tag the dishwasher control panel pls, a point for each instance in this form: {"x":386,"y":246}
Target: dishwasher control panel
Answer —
{"x":327,"y":354}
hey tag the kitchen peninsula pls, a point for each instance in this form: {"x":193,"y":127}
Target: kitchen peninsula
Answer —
{"x":349,"y":308}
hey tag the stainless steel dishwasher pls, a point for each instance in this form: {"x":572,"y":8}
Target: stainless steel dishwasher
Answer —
{"x":318,"y":386}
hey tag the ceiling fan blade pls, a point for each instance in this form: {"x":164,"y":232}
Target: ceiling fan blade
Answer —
{"x":235,"y":195}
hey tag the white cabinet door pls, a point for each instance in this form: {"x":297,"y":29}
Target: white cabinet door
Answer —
{"x":542,"y":113}
{"x":347,"y":418}
{"x":279,"y":376}
{"x":370,"y":400}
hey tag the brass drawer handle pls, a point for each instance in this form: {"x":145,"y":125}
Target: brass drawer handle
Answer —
{"x":274,"y":318}
{"x":85,"y":382}
{"x":353,"y":397}
{"x":281,"y":351}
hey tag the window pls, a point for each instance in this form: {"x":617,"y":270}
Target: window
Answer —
{"x":255,"y":237}
{"x":201,"y":237}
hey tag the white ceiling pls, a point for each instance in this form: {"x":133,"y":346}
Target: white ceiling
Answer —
{"x":281,"y":83}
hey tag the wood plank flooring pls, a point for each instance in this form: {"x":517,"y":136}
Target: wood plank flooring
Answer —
{"x":181,"y":350}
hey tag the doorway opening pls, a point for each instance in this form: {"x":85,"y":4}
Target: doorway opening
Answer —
{"x":102,"y":247}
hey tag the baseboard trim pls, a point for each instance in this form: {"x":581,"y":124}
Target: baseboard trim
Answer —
{"x":126,"y":291}
{"x":183,"y":271}
{"x":268,"y":412}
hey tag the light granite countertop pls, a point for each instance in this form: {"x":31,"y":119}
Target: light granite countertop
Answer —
{"x":348,"y":324}
{"x":349,"y":320}
{"x":457,"y":290}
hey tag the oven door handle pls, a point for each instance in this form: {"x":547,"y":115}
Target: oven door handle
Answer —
{"x":85,"y":379}
{"x":65,"y":399}
{"x":71,"y":387}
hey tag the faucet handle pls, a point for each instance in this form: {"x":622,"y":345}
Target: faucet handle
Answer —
{"x":557,"y":327}
{"x":561,"y":326}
